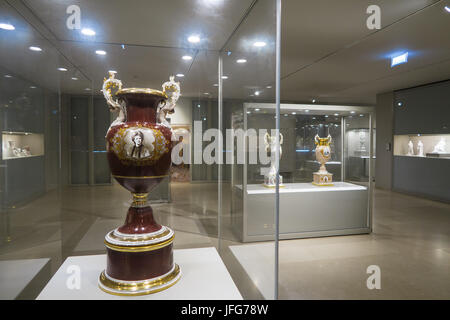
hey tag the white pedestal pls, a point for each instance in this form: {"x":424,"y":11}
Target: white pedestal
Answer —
{"x":204,"y":277}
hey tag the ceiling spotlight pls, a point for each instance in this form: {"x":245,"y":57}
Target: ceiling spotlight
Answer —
{"x":259,"y":44}
{"x":180,"y":75}
{"x":400,"y":104}
{"x":447,"y":8}
{"x":100,"y":52}
{"x":88,"y":32}
{"x":257,"y":109}
{"x":62,"y":69}
{"x":248,"y":112}
{"x":215,"y":85}
{"x":306,"y":110}
{"x":32,"y":87}
{"x":206,"y":93}
{"x":7,"y":26}
{"x":294,"y":113}
{"x":194,"y":39}
{"x":257,"y":93}
{"x":87,"y":89}
{"x":187,"y":58}
{"x":8,"y":76}
{"x":352,"y":112}
{"x":74,"y":78}
{"x":336,"y":114}
{"x":326,"y":116}
{"x":33,"y":48}
{"x":241,"y":60}
{"x":224,"y":77}
{"x":269,"y":87}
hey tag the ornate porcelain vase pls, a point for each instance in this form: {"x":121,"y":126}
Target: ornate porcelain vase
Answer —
{"x":139,"y":145}
{"x":323,"y":154}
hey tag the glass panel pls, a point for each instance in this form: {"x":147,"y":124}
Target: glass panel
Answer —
{"x":249,"y":63}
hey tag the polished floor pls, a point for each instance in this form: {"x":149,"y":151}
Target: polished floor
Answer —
{"x":410,"y":243}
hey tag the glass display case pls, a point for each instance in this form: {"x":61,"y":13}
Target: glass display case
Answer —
{"x":341,"y":206}
{"x":21,"y":145}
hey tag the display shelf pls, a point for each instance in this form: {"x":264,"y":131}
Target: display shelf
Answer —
{"x":302,"y":187}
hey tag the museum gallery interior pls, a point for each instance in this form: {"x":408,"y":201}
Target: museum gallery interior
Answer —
{"x":224,"y":149}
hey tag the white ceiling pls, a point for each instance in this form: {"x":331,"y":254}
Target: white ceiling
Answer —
{"x":328,"y":53}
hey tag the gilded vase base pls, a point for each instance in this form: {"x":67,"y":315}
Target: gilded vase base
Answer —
{"x":322,"y":179}
{"x":139,"y":288}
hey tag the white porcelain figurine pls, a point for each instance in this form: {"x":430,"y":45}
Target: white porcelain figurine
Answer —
{"x":271,"y":176}
{"x":410,"y":148}
{"x":420,"y":149}
{"x":440,"y":146}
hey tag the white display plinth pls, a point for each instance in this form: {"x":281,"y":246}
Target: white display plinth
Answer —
{"x":204,"y":277}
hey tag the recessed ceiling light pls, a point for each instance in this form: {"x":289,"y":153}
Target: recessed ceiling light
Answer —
{"x":306,"y":110}
{"x":402,"y":58}
{"x":88,"y":32}
{"x":206,"y":93}
{"x":257,"y":93}
{"x":257,"y":109}
{"x":447,"y":8}
{"x":294,"y":113}
{"x":269,"y":87}
{"x":194,"y":39}
{"x":32,"y":87}
{"x":74,"y":78}
{"x":7,"y":26}
{"x":224,"y":77}
{"x":361,"y":115}
{"x":326,"y":116}
{"x":62,"y":69}
{"x":336,"y":114}
{"x":400,"y":104}
{"x":259,"y":44}
{"x":180,"y":75}
{"x":100,"y":52}
{"x":241,"y":60}
{"x":248,"y":112}
{"x":215,"y":85}
{"x":352,"y":112}
{"x":87,"y":89}
{"x":33,"y":48}
{"x":8,"y":76}
{"x":187,"y":58}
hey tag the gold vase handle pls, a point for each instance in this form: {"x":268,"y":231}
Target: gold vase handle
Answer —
{"x":172,"y":90}
{"x":108,"y":84}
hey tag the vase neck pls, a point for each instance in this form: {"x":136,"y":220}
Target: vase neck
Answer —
{"x":141,"y":114}
{"x":141,"y":107}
